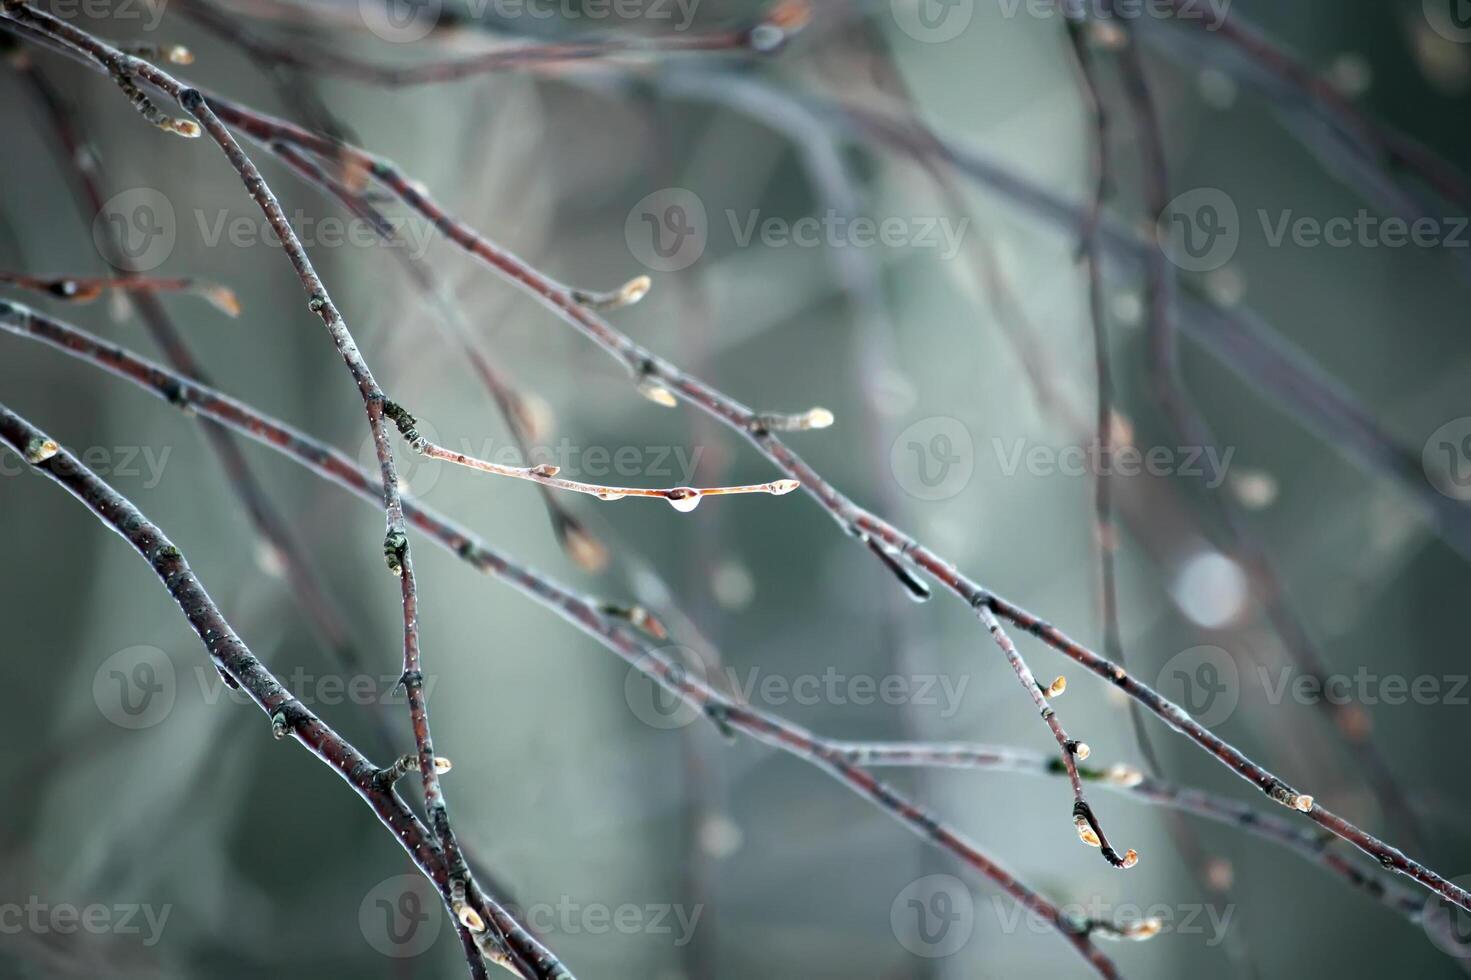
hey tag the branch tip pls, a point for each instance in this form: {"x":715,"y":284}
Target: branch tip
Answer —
{"x":469,"y":918}
{"x":627,"y":294}
{"x":814,"y":418}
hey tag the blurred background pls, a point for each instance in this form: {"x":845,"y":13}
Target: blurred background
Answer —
{"x":936,"y":303}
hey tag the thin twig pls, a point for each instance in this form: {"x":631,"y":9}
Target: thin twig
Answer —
{"x":1090,"y":832}
{"x":81,"y":289}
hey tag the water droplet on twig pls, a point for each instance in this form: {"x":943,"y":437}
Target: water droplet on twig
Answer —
{"x":684,"y":499}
